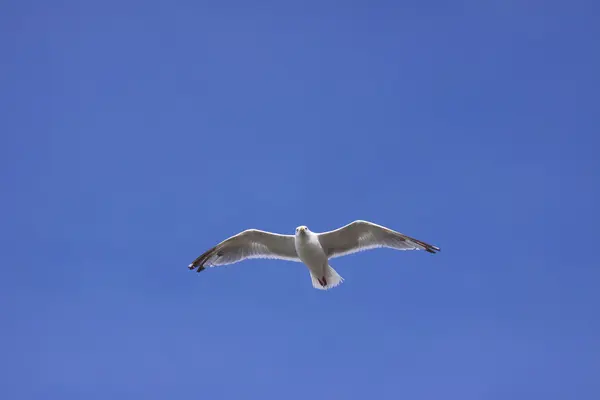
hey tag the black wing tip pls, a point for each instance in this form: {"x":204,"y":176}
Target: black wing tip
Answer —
{"x":432,"y":249}
{"x":199,"y":268}
{"x":198,"y":263}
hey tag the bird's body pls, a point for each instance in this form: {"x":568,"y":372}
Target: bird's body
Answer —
{"x":311,"y":253}
{"x":313,"y":249}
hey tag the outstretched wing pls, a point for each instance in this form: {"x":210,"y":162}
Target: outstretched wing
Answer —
{"x":364,"y":235}
{"x":251,"y":243}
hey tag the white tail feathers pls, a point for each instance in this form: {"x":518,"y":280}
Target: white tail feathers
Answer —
{"x":332,"y":279}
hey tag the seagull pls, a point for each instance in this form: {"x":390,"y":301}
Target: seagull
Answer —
{"x":311,"y":248}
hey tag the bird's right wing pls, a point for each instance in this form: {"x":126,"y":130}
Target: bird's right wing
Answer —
{"x":364,"y":235}
{"x":251,"y":243}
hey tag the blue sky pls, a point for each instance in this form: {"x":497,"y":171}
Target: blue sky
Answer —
{"x":136,"y":135}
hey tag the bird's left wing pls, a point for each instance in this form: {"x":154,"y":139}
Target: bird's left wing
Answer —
{"x":251,"y":243}
{"x":364,"y":235}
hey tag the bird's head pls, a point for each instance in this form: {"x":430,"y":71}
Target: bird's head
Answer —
{"x":301,"y":230}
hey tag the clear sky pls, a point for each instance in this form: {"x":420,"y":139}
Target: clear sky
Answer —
{"x":136,"y":135}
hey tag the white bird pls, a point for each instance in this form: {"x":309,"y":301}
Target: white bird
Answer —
{"x":313,"y":249}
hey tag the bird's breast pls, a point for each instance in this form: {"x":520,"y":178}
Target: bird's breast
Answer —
{"x":309,"y":250}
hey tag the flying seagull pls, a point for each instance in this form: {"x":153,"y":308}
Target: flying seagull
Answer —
{"x":311,"y":248}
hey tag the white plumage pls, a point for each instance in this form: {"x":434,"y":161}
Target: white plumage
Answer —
{"x":312,"y":249}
